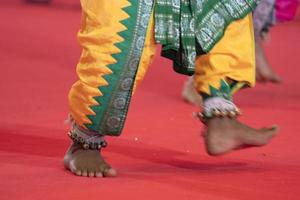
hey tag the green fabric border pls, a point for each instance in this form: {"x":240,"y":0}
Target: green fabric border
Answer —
{"x":218,"y":7}
{"x":187,"y":29}
{"x":113,"y":105}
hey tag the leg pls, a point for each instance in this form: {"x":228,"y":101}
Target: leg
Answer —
{"x":190,"y":94}
{"x":264,"y":18}
{"x":264,"y":72}
{"x":117,"y":48}
{"x":229,"y":65}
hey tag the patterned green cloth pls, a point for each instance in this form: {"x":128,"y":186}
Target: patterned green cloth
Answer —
{"x":187,"y":28}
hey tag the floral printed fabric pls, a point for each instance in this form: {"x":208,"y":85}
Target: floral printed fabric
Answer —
{"x":187,"y":28}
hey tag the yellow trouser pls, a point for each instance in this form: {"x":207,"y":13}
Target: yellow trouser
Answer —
{"x":233,"y":57}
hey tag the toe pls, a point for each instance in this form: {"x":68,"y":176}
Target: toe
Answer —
{"x":78,"y":173}
{"x":273,"y":129}
{"x":72,"y":167}
{"x":91,"y":174}
{"x":109,"y":172}
{"x":275,"y":78}
{"x":106,"y":169}
{"x":99,"y":174}
{"x":84,"y":173}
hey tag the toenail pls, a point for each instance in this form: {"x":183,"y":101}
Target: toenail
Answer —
{"x":109,"y":172}
{"x":73,"y":170}
{"x":84,"y":173}
{"x":99,"y":174}
{"x":91,"y":174}
{"x":78,"y":173}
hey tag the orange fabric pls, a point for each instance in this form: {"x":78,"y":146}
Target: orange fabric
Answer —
{"x":98,"y":35}
{"x":233,"y":57}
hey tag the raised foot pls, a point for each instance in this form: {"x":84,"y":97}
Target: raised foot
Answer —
{"x":87,"y":163}
{"x":226,"y":134}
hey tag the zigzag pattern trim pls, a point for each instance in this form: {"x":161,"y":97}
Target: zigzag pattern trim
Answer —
{"x":125,"y":33}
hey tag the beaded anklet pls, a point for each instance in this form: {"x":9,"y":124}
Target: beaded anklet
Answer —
{"x":87,"y":140}
{"x":218,"y":103}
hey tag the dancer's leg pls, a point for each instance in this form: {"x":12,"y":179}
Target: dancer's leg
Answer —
{"x":221,"y":72}
{"x":117,"y":42}
{"x":190,"y":94}
{"x":264,"y":72}
{"x":264,"y":18}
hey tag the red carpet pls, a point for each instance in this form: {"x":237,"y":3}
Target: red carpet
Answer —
{"x":160,"y":155}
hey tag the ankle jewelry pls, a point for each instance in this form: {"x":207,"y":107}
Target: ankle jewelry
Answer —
{"x":218,"y":107}
{"x":218,"y":102}
{"x":86,"y":139}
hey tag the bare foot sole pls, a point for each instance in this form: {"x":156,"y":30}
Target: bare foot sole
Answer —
{"x":226,"y":134}
{"x":87,"y":163}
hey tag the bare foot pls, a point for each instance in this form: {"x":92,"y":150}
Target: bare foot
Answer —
{"x":190,"y":94}
{"x":264,"y":72}
{"x":226,"y":134}
{"x":90,"y":163}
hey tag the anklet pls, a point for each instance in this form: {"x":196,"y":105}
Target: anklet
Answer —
{"x":87,"y":140}
{"x":218,"y":107}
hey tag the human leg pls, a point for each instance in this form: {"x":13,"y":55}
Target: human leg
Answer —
{"x":190,"y":94}
{"x":117,"y":42}
{"x":229,"y":66}
{"x":264,"y":18}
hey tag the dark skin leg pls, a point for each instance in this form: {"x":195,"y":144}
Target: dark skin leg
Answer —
{"x":87,"y":163}
{"x":264,"y":72}
{"x":189,"y":93}
{"x":224,"y":135}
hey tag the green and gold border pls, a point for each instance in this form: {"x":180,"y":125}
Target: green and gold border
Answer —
{"x":113,"y":105}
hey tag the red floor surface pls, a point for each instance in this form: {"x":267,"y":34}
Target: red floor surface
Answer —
{"x":160,"y":155}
